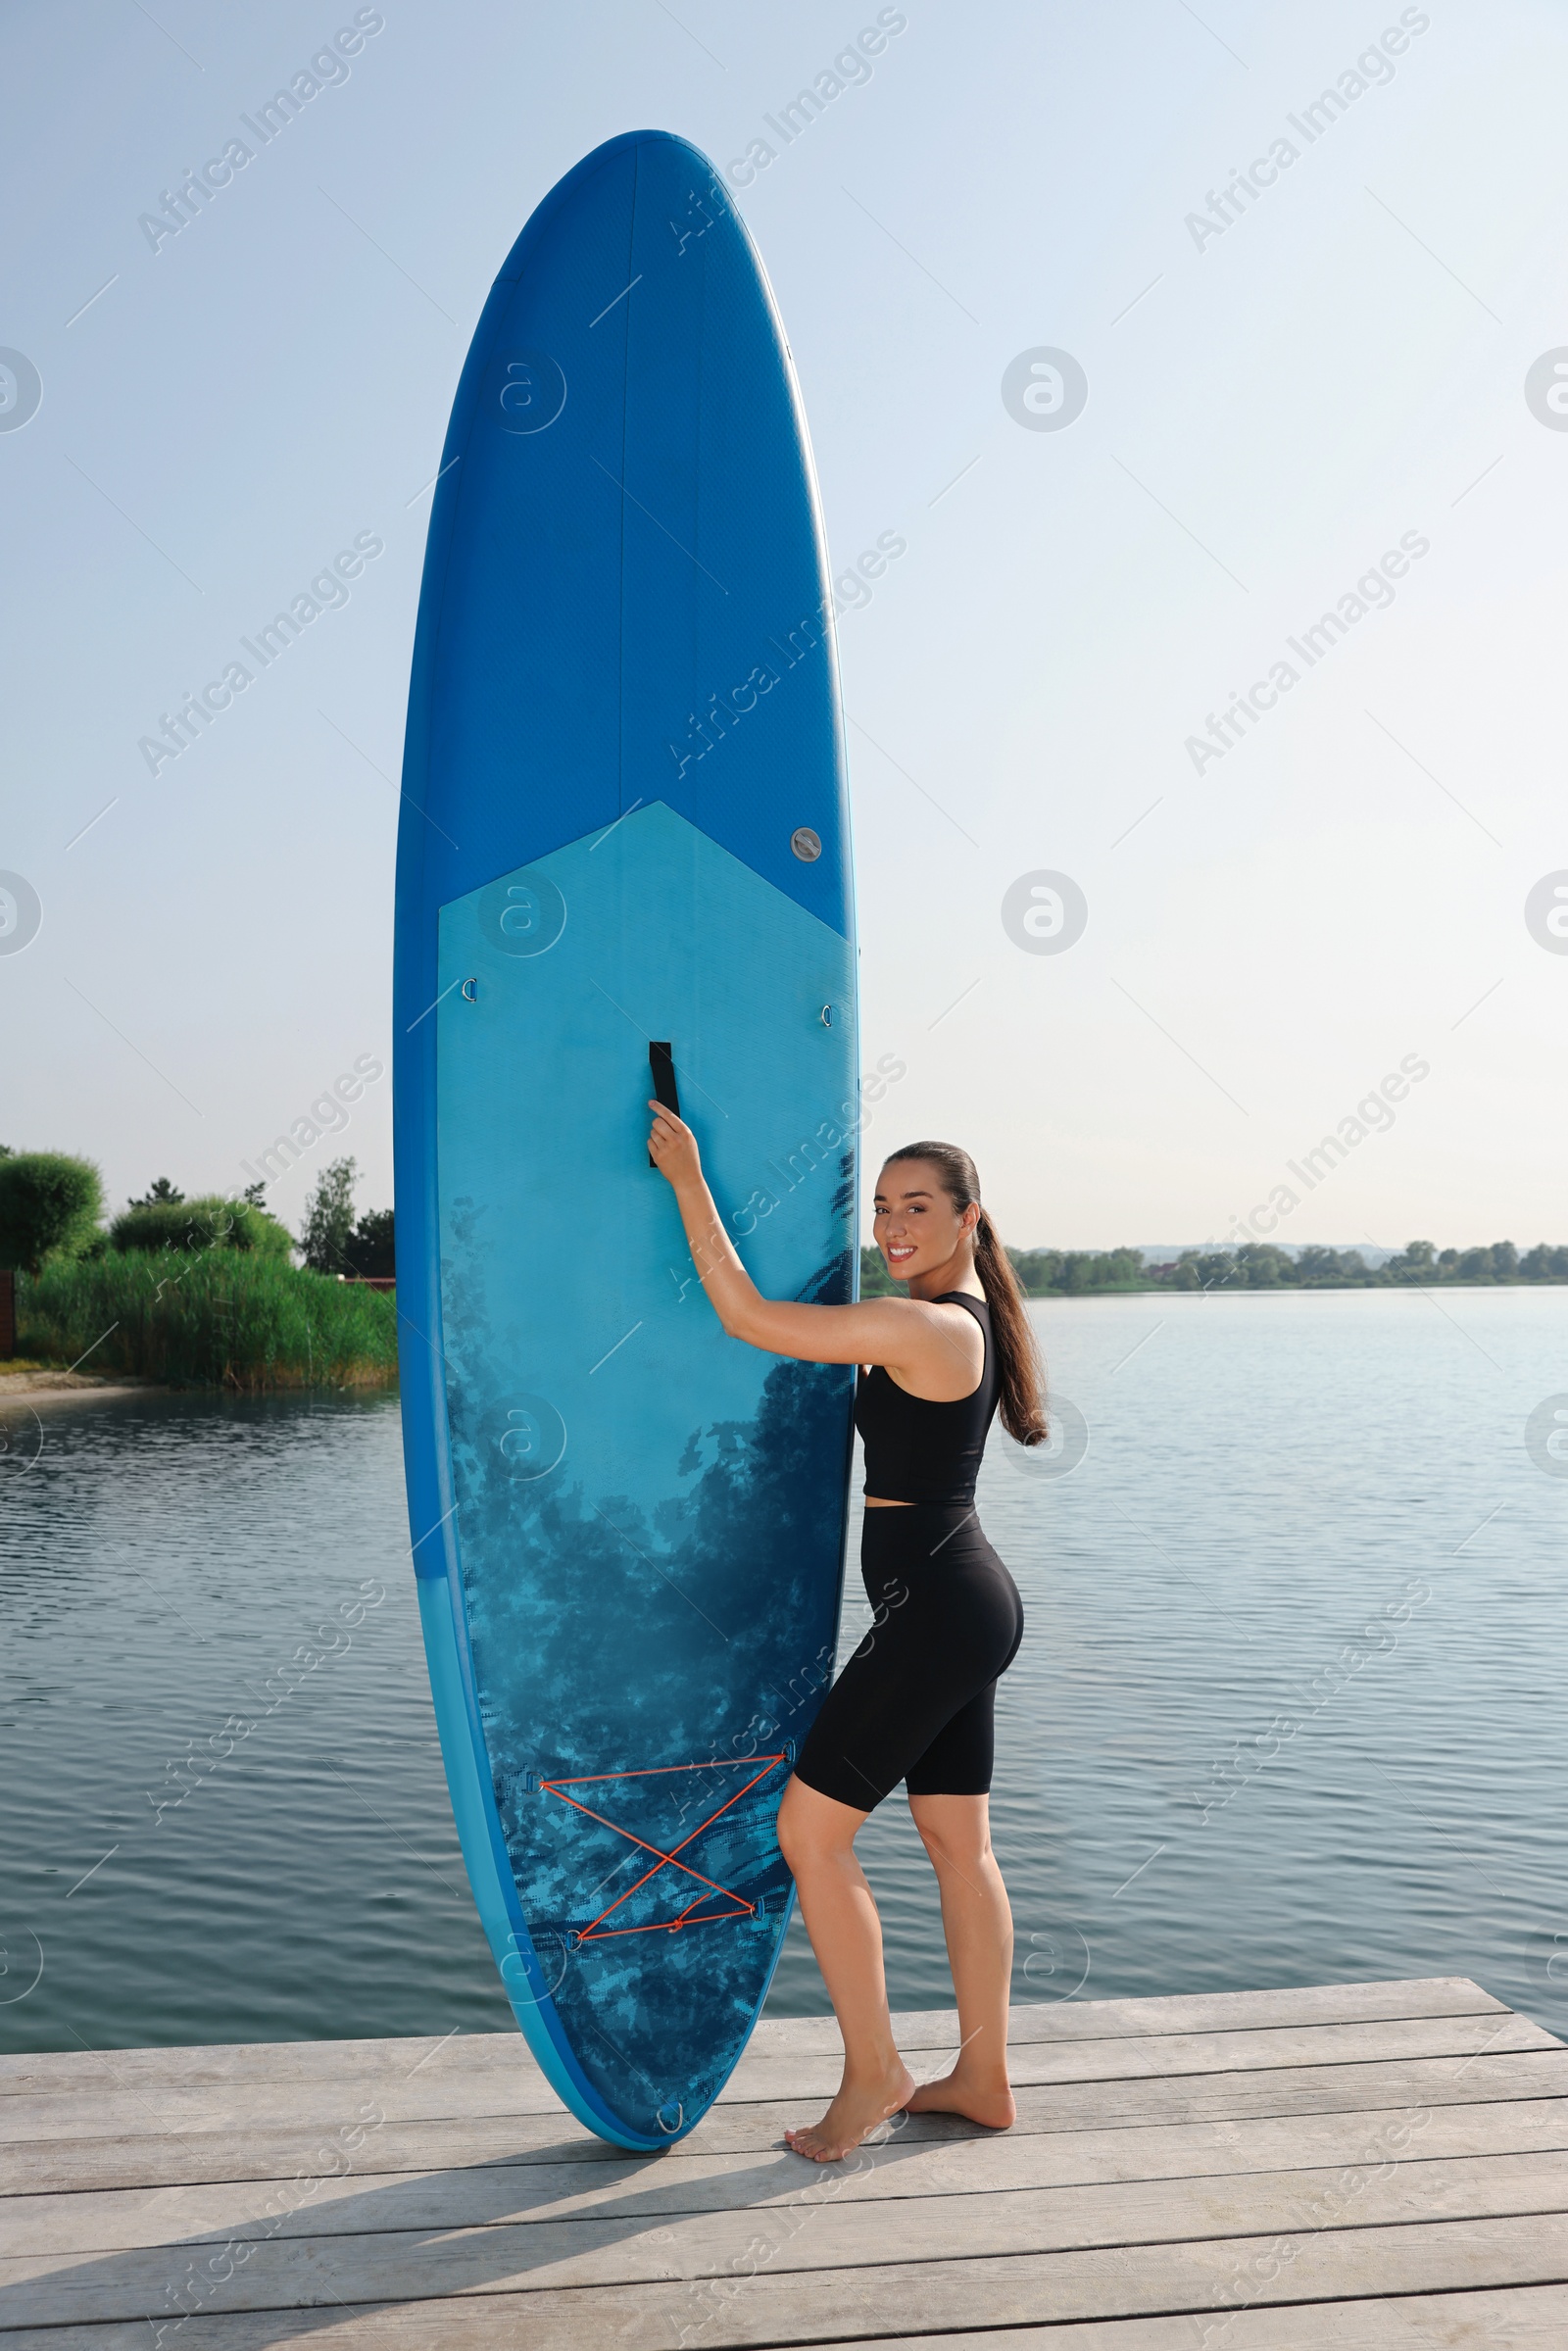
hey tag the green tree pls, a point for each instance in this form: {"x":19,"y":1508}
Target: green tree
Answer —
{"x":50,"y":1205}
{"x":368,"y":1251}
{"x":1262,"y":1266}
{"x":1207,"y":1269}
{"x":329,"y":1218}
{"x":156,"y":1194}
{"x":1338,"y":1267}
{"x":1038,"y":1269}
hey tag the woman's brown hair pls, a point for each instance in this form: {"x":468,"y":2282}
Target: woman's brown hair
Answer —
{"x":1021,"y":1373}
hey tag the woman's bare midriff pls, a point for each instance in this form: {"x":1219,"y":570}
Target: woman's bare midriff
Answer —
{"x":884,"y":1502}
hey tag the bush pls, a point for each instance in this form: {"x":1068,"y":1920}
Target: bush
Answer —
{"x":199,"y":1224}
{"x":49,"y":1205}
{"x":226,"y":1318}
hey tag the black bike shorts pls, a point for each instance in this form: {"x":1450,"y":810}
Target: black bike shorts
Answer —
{"x":916,"y":1702}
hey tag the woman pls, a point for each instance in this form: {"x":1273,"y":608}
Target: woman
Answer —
{"x":916,"y":1701}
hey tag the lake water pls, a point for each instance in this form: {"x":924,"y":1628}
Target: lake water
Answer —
{"x":1290,"y":1706}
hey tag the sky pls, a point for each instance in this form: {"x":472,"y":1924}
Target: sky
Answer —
{"x":1140,"y":424}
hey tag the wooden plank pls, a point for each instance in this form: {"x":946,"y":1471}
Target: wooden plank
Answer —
{"x":1524,"y":2318}
{"x":1376,"y":2165}
{"x":59,"y":2071}
{"x":1179,"y":2012}
{"x":679,"y":2182}
{"x":81,"y":2069}
{"x":1129,"y":2056}
{"x":890,"y":2303}
{"x":1520,"y":2318}
{"x":172,"y":2158}
{"x":815,"y":2233}
{"x":122,"y":2112}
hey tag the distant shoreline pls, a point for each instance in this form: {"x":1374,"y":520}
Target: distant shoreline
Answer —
{"x":1273,"y":1290}
{"x":1256,"y":1266}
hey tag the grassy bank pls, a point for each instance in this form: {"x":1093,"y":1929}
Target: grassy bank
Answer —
{"x":217,"y":1318}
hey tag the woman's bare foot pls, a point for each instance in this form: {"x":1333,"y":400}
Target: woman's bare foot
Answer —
{"x":987,"y":2101}
{"x":854,"y":2115}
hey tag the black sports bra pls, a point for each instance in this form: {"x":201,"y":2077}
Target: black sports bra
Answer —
{"x":919,"y":1452}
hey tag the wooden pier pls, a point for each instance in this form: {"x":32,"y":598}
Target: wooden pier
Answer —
{"x":1374,"y":2166}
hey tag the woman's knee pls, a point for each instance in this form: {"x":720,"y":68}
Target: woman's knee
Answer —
{"x":813,"y":1828}
{"x":956,"y":1831}
{"x":967,"y":1859}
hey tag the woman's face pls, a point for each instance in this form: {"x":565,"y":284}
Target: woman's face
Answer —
{"x":915,"y":1224}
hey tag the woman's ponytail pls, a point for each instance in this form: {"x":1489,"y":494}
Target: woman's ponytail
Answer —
{"x":1018,"y":1362}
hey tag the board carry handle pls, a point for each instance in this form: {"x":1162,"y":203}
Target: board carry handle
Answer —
{"x":662,"y":1065}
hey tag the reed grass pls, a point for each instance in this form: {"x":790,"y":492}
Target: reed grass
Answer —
{"x":213,"y":1318}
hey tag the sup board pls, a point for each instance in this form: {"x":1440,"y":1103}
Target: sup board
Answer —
{"x":623,"y":869}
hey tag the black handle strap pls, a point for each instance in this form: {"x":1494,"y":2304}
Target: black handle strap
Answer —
{"x":662,"y":1066}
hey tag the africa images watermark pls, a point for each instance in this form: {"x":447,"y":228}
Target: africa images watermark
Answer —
{"x":1229,"y":1778}
{"x":327,"y":593}
{"x":818,"y":1149}
{"x":1373,"y":591}
{"x":1372,"y":69}
{"x":714,"y":2298}
{"x":707,"y":728}
{"x":198,"y":2285}
{"x":21,"y":389}
{"x":20,"y":913}
{"x":1373,"y":1115}
{"x":326,"y":1115}
{"x":186,"y":1772}
{"x":181,"y":205}
{"x":848,"y":69}
{"x":1257,"y":2271}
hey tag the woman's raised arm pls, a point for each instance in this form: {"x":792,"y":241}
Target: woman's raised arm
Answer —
{"x":903,"y":1334}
